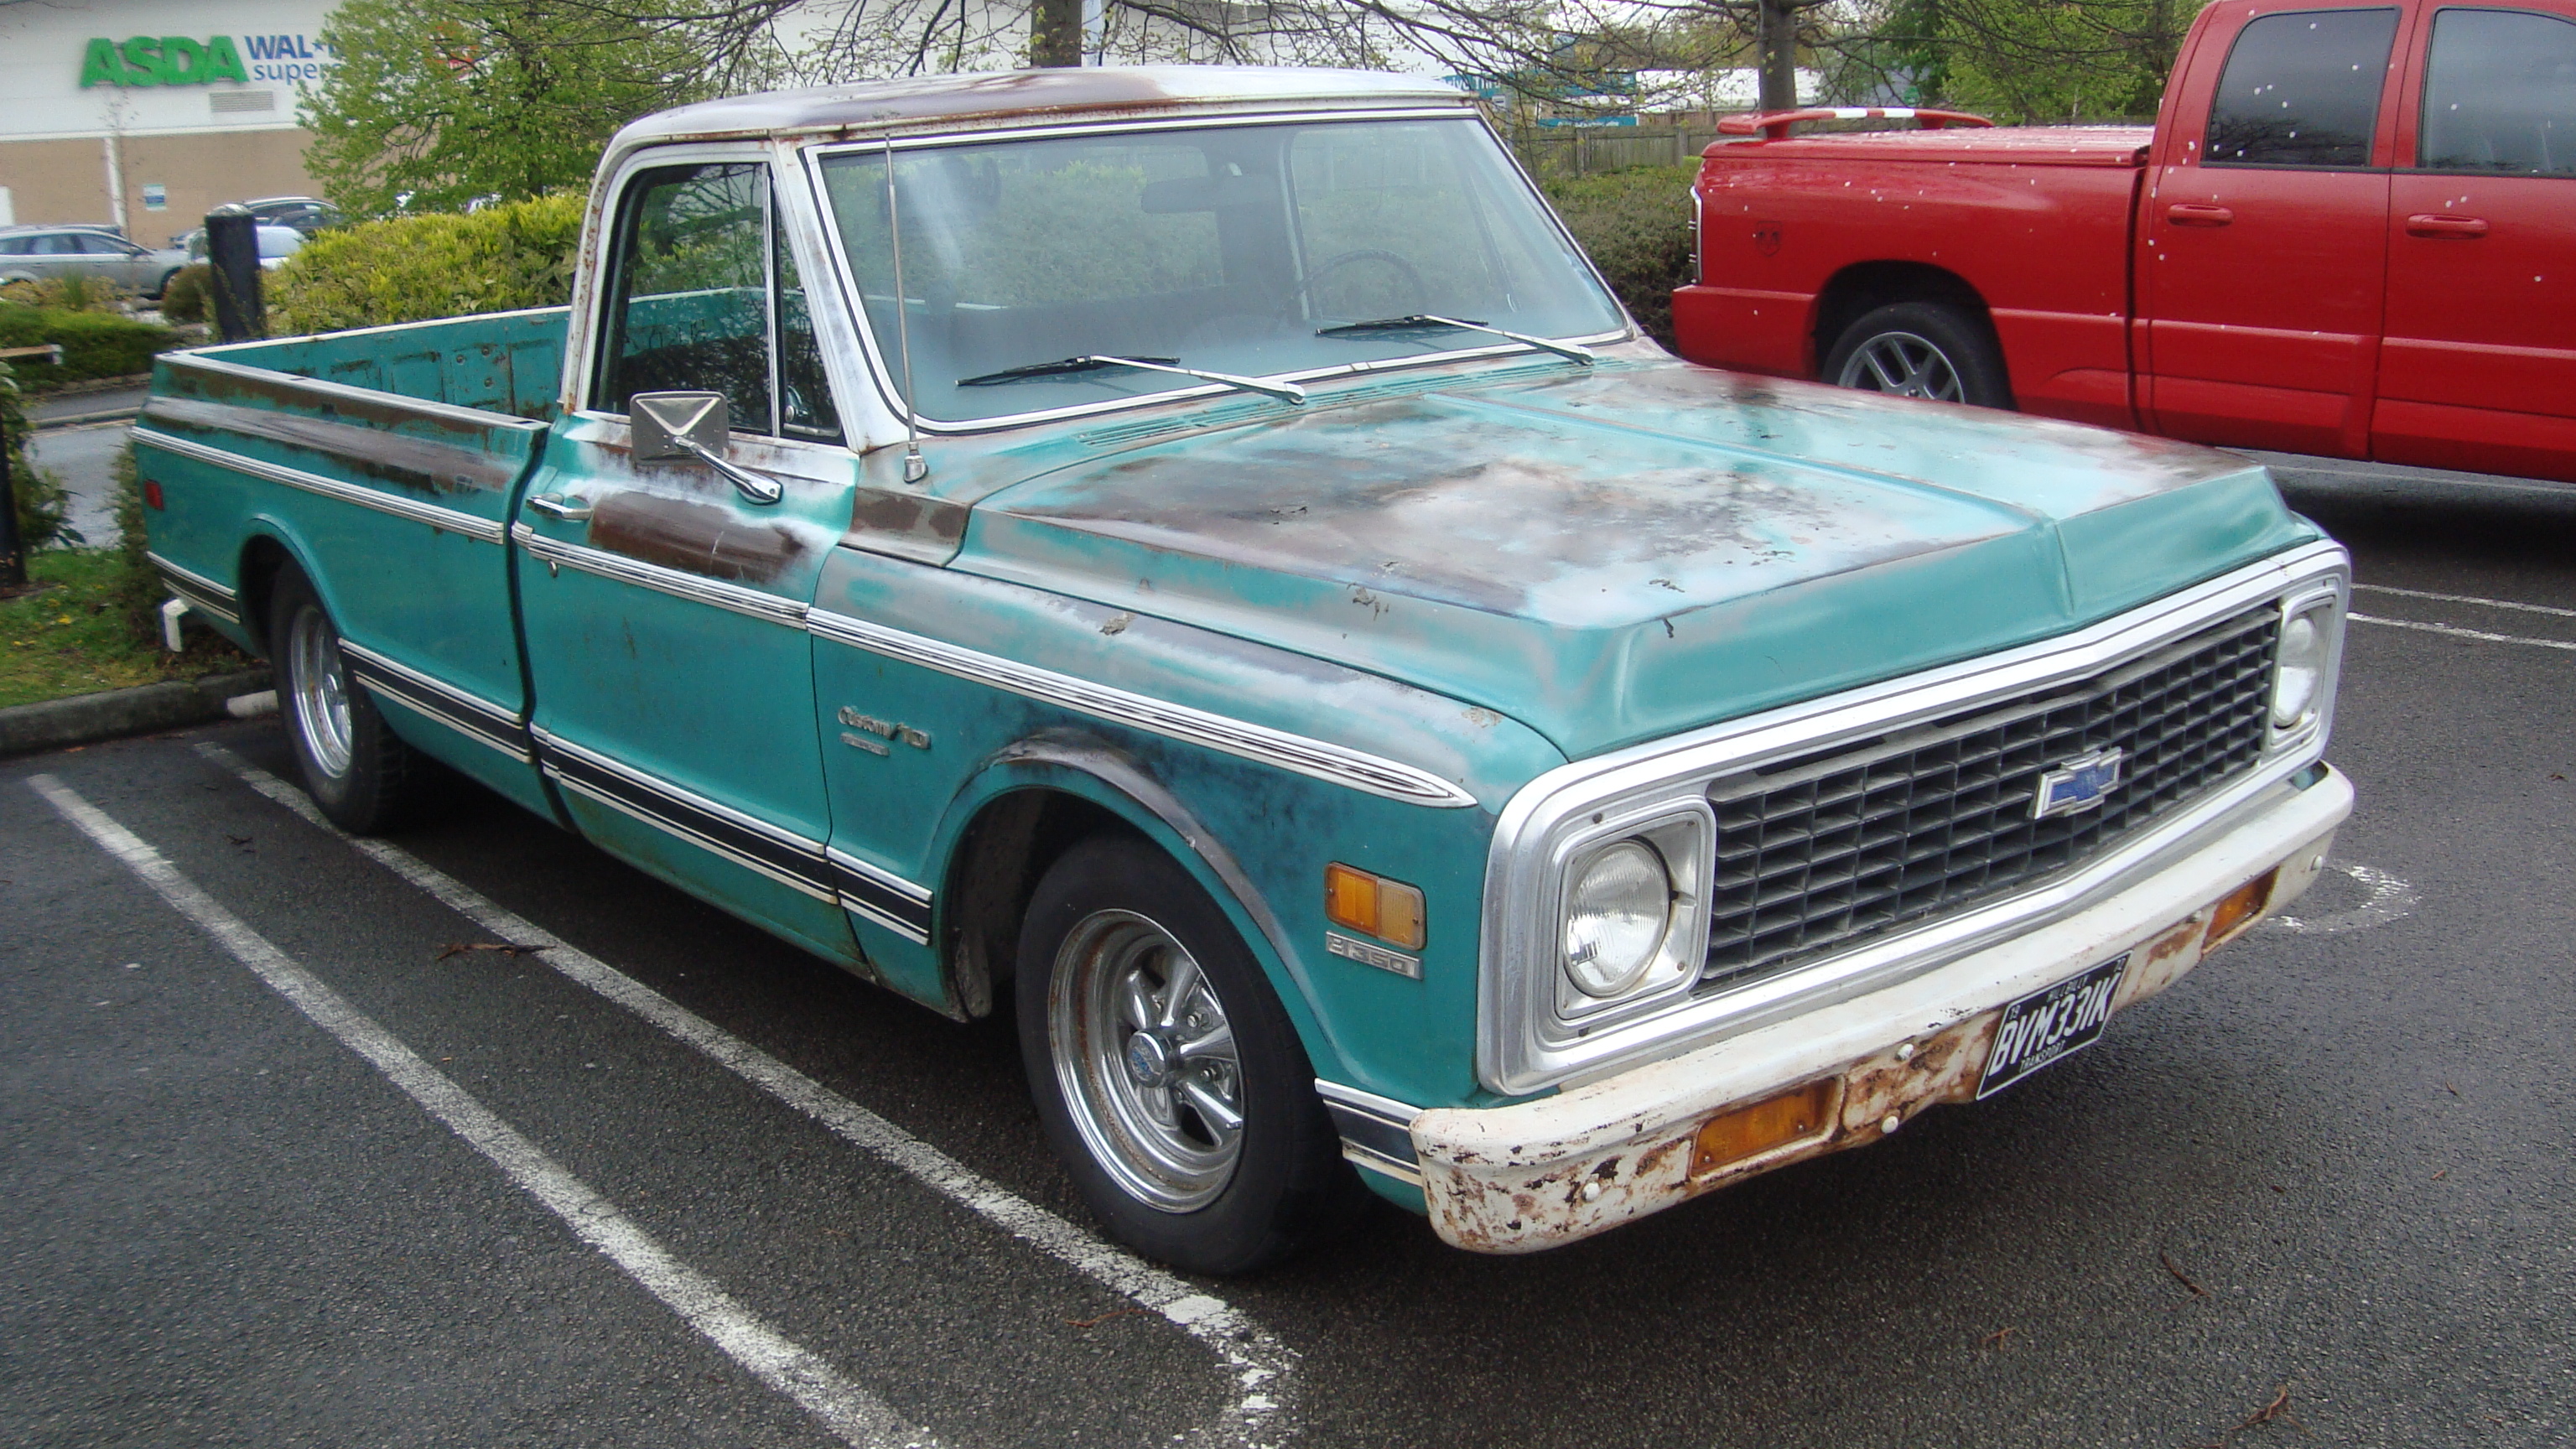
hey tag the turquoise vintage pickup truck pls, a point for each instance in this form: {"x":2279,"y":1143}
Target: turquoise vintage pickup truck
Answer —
{"x":1199,"y":555}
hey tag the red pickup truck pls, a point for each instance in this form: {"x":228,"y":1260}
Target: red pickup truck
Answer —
{"x":2351,"y":232}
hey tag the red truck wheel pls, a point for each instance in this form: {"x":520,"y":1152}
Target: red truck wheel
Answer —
{"x":1921,"y":349}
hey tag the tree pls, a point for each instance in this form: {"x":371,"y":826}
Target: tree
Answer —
{"x":2022,"y":59}
{"x":433,"y":104}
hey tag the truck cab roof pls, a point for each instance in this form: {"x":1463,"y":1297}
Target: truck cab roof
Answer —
{"x":961,"y":101}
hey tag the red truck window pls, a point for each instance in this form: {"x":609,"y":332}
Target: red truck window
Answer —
{"x":2500,"y":94}
{"x":2302,"y":89}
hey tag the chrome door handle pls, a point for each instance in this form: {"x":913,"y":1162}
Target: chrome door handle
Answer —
{"x":2195,"y":213}
{"x":2443,"y":224}
{"x":556,"y":505}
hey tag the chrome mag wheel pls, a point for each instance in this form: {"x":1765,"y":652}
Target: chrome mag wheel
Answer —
{"x":1146,"y":1060}
{"x":1902,"y":364}
{"x":321,"y":690}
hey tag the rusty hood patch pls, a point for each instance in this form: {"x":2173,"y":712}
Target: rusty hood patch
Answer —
{"x":1616,"y":554}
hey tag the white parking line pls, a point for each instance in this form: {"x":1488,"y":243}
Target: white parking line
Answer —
{"x":2515,"y":605}
{"x":2456,"y":632}
{"x":856,"y":1416}
{"x":1259,"y":1362}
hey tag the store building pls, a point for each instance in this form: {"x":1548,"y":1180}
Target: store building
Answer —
{"x":143,"y":114}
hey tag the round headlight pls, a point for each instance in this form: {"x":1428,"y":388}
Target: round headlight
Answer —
{"x":1615,"y":918}
{"x":2297,"y":668}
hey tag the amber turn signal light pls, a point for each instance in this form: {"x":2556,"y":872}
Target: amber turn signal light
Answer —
{"x":2237,"y":907}
{"x":1387,"y":909}
{"x":1741,"y":1132}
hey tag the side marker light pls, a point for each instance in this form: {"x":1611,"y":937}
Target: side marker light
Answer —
{"x":2238,"y":907}
{"x":1389,"y":910}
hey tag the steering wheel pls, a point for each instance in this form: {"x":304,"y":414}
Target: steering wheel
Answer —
{"x":1332,"y":264}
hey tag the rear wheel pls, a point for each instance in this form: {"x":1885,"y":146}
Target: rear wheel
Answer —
{"x":1167,"y":1075}
{"x":1932,"y":350}
{"x":355,"y":769}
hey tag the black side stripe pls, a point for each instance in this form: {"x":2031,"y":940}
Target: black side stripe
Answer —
{"x":889,"y":900}
{"x":1373,"y":1134}
{"x":790,"y":862}
{"x":201,"y":598}
{"x":485,"y":723}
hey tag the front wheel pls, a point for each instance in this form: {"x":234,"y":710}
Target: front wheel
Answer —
{"x":1930,"y":350}
{"x":354,"y":767}
{"x":1166,"y":1074}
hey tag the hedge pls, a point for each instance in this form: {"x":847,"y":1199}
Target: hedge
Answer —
{"x":1637,"y":226}
{"x":419,"y":268}
{"x":95,"y":344}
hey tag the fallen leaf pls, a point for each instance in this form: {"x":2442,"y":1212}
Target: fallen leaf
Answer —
{"x":2001,"y":1337}
{"x":2181,"y":1277}
{"x":454,"y":948}
{"x":2445,"y":1172}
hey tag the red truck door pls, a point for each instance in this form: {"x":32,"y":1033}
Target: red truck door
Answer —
{"x":2265,"y":235}
{"x":2479,"y":369}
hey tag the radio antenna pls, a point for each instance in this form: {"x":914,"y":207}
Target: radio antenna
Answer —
{"x":915,"y":466}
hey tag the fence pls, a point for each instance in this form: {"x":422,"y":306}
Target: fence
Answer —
{"x":1573,"y":151}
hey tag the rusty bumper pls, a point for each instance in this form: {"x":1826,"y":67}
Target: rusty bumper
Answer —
{"x":1536,"y":1174}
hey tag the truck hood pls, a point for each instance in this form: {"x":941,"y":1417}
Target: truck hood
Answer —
{"x":1614,"y":554}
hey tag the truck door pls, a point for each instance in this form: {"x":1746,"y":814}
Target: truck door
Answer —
{"x":2266,"y":238}
{"x":2479,"y":370}
{"x":664,"y":605}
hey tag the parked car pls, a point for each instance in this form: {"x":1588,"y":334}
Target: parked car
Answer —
{"x":2348,"y":233}
{"x":1199,"y":552}
{"x":307,"y":214}
{"x":33,"y":253}
{"x":276,"y":244}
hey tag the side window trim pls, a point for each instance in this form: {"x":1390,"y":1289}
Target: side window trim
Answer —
{"x":609,"y":341}
{"x":2390,"y":73}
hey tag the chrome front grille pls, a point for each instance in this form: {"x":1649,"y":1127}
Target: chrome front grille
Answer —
{"x":1816,"y":852}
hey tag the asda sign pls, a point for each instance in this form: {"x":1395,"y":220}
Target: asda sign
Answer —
{"x":178,"y":60}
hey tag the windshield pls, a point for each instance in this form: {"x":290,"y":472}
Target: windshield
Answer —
{"x":1227,"y":249}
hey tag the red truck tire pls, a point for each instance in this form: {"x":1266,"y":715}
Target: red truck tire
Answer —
{"x":1921,"y":349}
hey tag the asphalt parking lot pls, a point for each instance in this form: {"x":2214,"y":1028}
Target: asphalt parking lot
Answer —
{"x":293,"y":1158}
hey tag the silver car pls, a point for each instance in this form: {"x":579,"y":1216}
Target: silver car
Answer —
{"x":32,"y":253}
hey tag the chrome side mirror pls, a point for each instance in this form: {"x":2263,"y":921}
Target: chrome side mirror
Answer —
{"x":673,"y":425}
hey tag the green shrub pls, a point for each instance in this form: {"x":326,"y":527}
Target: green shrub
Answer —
{"x":185,"y":299}
{"x":416,"y":268}
{"x":44,"y":509}
{"x":1637,"y":226}
{"x":135,"y":588}
{"x":95,"y":344}
{"x":74,"y":293}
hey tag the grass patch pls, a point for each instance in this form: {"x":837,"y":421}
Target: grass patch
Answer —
{"x":79,"y":636}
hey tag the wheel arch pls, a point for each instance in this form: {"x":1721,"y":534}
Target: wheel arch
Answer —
{"x":266,"y":553}
{"x":1033,"y":800}
{"x":1863,"y":287}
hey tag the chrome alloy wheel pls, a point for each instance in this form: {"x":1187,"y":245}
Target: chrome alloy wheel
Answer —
{"x":1146,"y":1061}
{"x":1904,"y":365}
{"x":321,"y":690}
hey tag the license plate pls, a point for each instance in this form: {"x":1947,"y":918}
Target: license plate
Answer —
{"x":2050,"y":1025}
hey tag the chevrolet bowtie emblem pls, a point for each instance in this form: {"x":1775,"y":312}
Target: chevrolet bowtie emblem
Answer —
{"x":2079,"y":784}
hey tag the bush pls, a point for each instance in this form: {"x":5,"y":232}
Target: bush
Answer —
{"x":67,"y":294}
{"x":186,"y":299}
{"x":135,"y":589}
{"x":43,"y":507}
{"x":1637,"y":226}
{"x":417,"y":268}
{"x":95,"y":344}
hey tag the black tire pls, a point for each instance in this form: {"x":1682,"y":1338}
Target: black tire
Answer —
{"x":163,"y":289}
{"x":1287,"y":1184}
{"x":355,"y":769}
{"x":1927,"y":349}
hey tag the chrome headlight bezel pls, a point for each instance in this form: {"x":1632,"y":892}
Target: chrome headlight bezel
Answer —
{"x":1682,"y":834}
{"x":2322,"y":607}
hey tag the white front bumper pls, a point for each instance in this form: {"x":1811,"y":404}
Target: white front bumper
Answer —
{"x":1529,"y":1176}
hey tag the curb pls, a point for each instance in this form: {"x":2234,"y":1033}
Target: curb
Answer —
{"x":115,"y":713}
{"x":82,"y":420}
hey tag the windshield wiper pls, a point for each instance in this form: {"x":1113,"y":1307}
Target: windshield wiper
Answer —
{"x":1287,"y":391}
{"x":1419,"y":320}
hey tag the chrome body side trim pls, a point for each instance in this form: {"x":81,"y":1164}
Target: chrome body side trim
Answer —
{"x":472,"y":716}
{"x":199,"y":592}
{"x":1517,"y":1050}
{"x":449,"y":519}
{"x":1311,"y":757}
{"x":624,"y":570}
{"x":802,"y":864}
{"x":1377,"y":1132}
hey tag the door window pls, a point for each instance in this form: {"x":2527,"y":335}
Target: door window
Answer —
{"x":804,"y":391}
{"x":2302,"y":89}
{"x":688,"y":303}
{"x":2500,"y":94}
{"x":60,"y":244}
